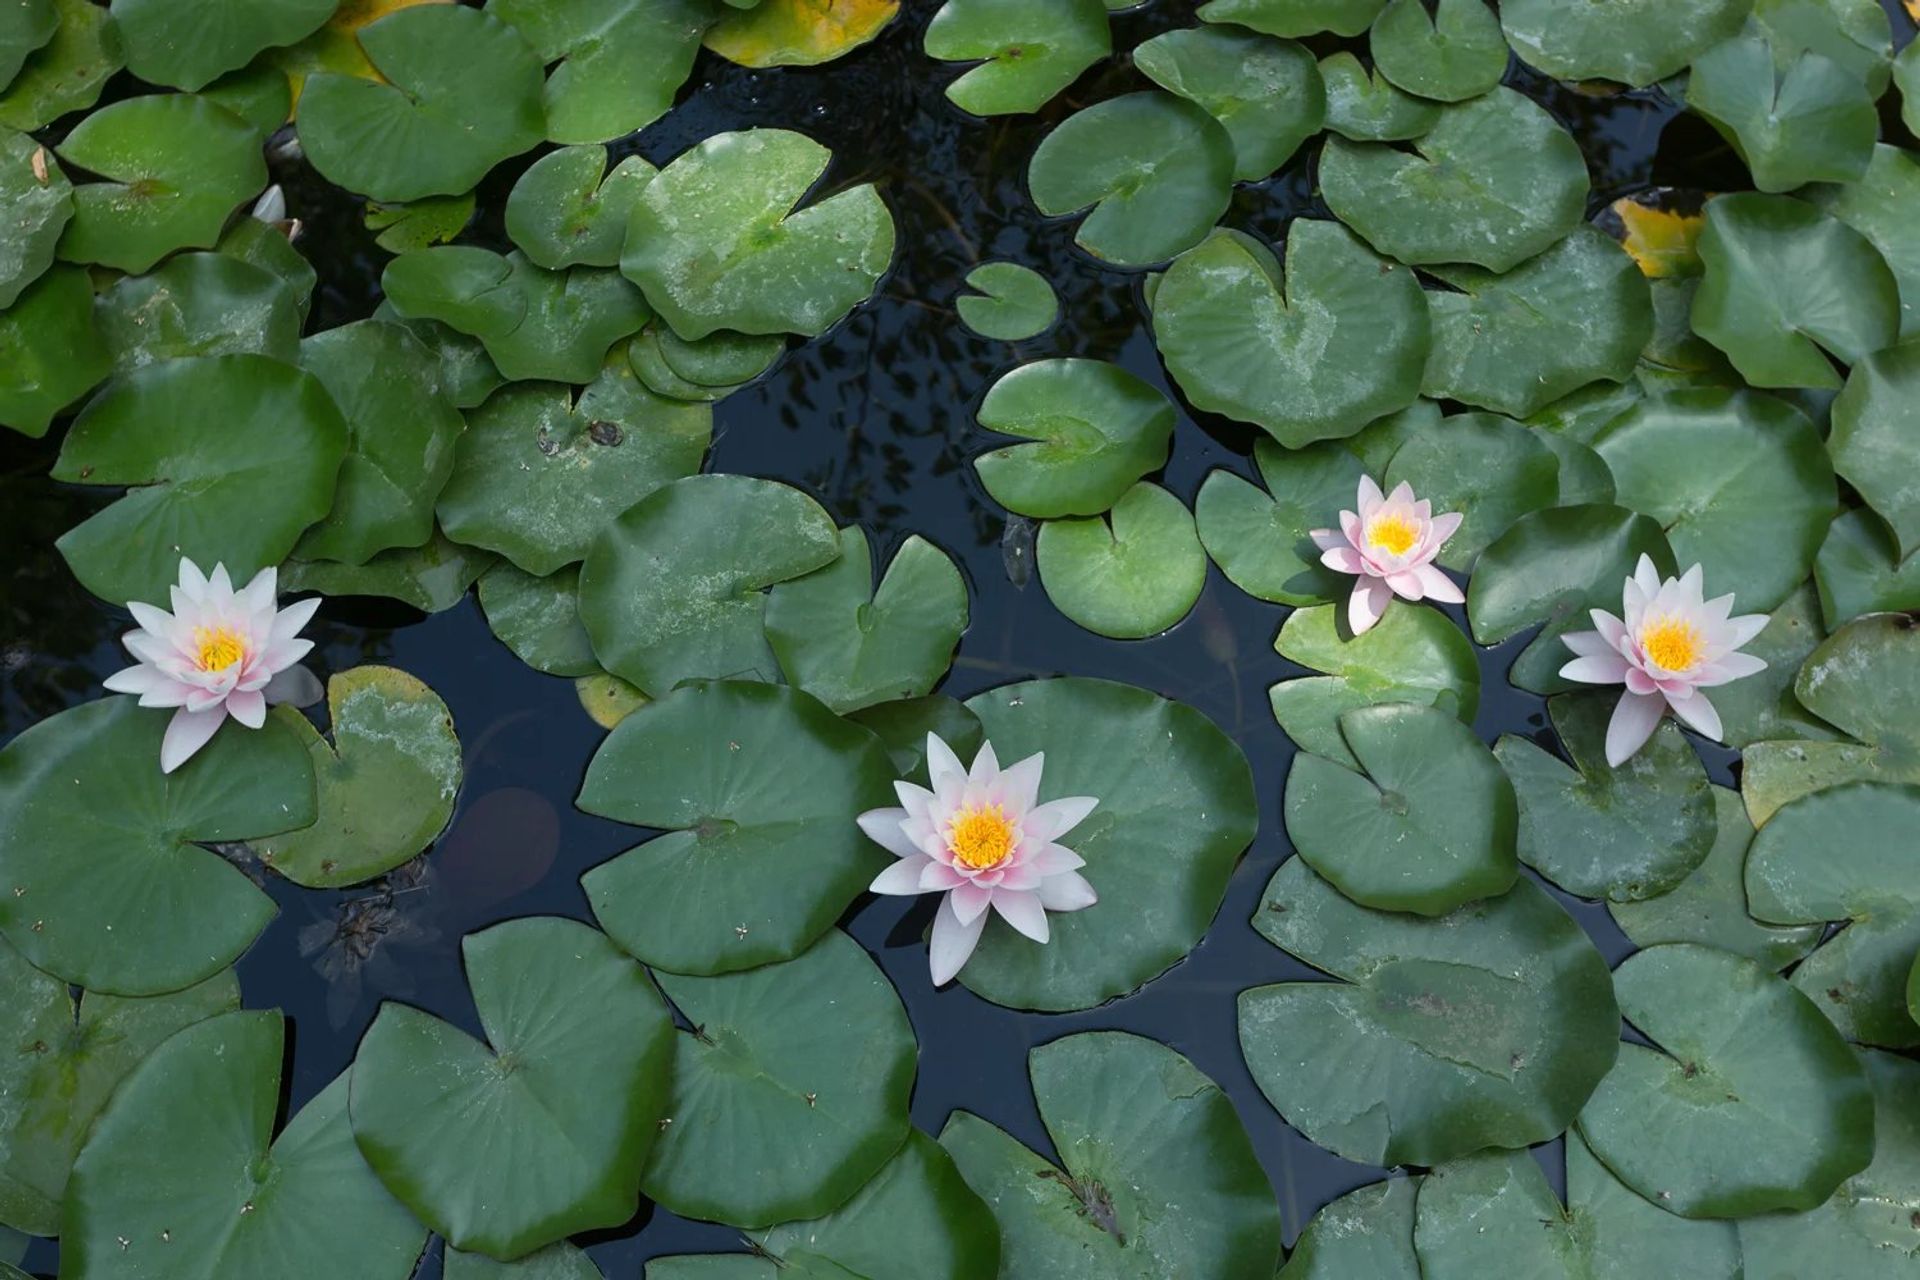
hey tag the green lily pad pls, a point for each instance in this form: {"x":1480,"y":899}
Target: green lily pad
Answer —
{"x":1014,"y":303}
{"x":1096,"y":430}
{"x":1859,"y":570}
{"x":1876,"y":438}
{"x":1413,"y":655}
{"x":573,"y":319}
{"x":24,"y":28}
{"x":798,"y":33}
{"x":67,"y":72}
{"x":768,"y":777}
{"x":646,"y":356}
{"x":1906,"y":77}
{"x":1619,"y":1235}
{"x":387,"y":781}
{"x":1488,"y":1027}
{"x":620,"y":62}
{"x":1877,"y":207}
{"x":539,"y":475}
{"x":474,"y":291}
{"x":1751,"y":1104}
{"x":1295,"y":17}
{"x":1740,"y":481}
{"x":1854,"y":34}
{"x":1633,"y":42}
{"x":903,"y":727}
{"x":1365,"y":106}
{"x":1710,"y":905}
{"x":568,"y":210}
{"x":1427,"y":827}
{"x":1763,"y":705}
{"x":179,"y":1166}
{"x":1451,"y":54}
{"x":39,"y":203}
{"x":1337,"y":341}
{"x":458,"y":92}
{"x":814,"y":1056}
{"x":555,"y":1262}
{"x":852,"y":644}
{"x":674,"y":588}
{"x":1177,"y":809}
{"x":539,"y":618}
{"x":1368,"y":1232}
{"x":1258,"y":536}
{"x":70,"y":1056}
{"x":51,"y":351}
{"x":173,"y":167}
{"x":1623,"y":834}
{"x":187,"y":44}
{"x":1787,"y":286}
{"x":1553,"y":567}
{"x":1156,"y":171}
{"x":1490,"y":469}
{"x":1129,"y":574}
{"x":571,"y":1080}
{"x":1845,"y":854}
{"x":1156,"y":1175}
{"x":199,"y":304}
{"x":1580,"y":312}
{"x":430,"y":578}
{"x":1027,"y":52}
{"x":715,"y":240}
{"x":230,"y":459}
{"x":1267,"y":93}
{"x":403,"y":435}
{"x":421,"y":223}
{"x":1494,"y":182}
{"x":606,"y":699}
{"x":721,"y":359}
{"x":1492,"y":1214}
{"x":1809,"y":121}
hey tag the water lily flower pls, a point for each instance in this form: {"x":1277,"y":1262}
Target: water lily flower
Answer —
{"x":1389,"y":545}
{"x":980,"y":838}
{"x":1670,"y":644}
{"x":220,"y":653}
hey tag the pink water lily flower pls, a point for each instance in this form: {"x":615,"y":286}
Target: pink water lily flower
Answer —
{"x":1389,"y":545}
{"x":220,"y":653}
{"x":1671,"y":644}
{"x":981,"y":838}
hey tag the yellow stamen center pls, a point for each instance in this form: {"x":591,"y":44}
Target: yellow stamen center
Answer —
{"x":980,"y":838}
{"x":220,"y":647}
{"x":1393,"y":532}
{"x":1674,"y":643}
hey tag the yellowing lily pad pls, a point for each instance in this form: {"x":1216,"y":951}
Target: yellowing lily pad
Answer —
{"x":798,"y":33}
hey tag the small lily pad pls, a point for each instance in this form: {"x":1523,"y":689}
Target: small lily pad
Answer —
{"x":1014,"y":303}
{"x":199,"y":304}
{"x":1266,"y":92}
{"x":1027,"y":52}
{"x":1096,"y":430}
{"x":1129,"y":574}
{"x":471,"y":290}
{"x":430,"y":578}
{"x":620,"y":62}
{"x":1809,"y":121}
{"x":1632,"y":42}
{"x":798,"y":33}
{"x":67,"y":72}
{"x":721,"y":359}
{"x":187,"y":44}
{"x":1364,"y":106}
{"x":1451,"y":54}
{"x":539,"y":618}
{"x":39,"y":202}
{"x":568,"y":210}
{"x":51,"y":351}
{"x":1295,"y":17}
{"x":1259,"y":537}
{"x":573,"y":319}
{"x":1876,"y":438}
{"x":420,"y":224}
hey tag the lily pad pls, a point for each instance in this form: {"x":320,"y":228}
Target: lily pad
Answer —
{"x":1489,"y":1214}
{"x":1488,"y":1027}
{"x":1365,"y":106}
{"x":230,"y":459}
{"x":568,"y":210}
{"x":421,"y":223}
{"x":1366,"y":1232}
{"x":67,"y":72}
{"x":51,"y":351}
{"x":1751,"y":1104}
{"x":1854,"y":34}
{"x":721,"y":359}
{"x":1266,"y":92}
{"x":715,"y":240}
{"x":539,"y":618}
{"x":762,"y":854}
{"x":1633,"y":42}
{"x":1427,"y":827}
{"x":1295,"y":17}
{"x":555,"y":1262}
{"x":620,"y":61}
{"x":798,"y":33}
{"x":25,"y":27}
{"x":1763,"y":706}
{"x":903,"y":728}
{"x":1876,"y":438}
{"x":474,"y":291}
{"x":459,"y":91}
{"x":1876,"y":207}
{"x":674,"y":589}
{"x":1906,"y":77}
{"x":1014,"y":303}
{"x":199,"y":304}
{"x":174,"y":167}
{"x":1129,"y":574}
{"x":573,"y":319}
{"x":1156,"y":171}
{"x":1494,"y":182}
{"x":1581,"y":312}
{"x":1740,"y":481}
{"x":571,"y":1080}
{"x":1177,"y":809}
{"x":1619,"y":1235}
{"x":187,"y":44}
{"x":1859,"y":570}
{"x":1259,"y":537}
{"x":813,"y":1058}
{"x":430,"y":578}
{"x":1788,"y":286}
{"x":195,"y":1119}
{"x":1809,"y":121}
{"x":606,"y":699}
{"x":1027,"y":52}
{"x":1158,"y":1177}
{"x":39,"y":202}
{"x":1490,"y":469}
{"x":1451,"y":54}
{"x":1096,"y":430}
{"x":1337,"y":341}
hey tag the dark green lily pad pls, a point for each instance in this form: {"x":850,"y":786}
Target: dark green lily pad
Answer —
{"x":1266,"y":92}
{"x":51,"y":351}
{"x":1295,"y":17}
{"x":1156,"y":171}
{"x":1177,"y":809}
{"x":555,"y":1262}
{"x":1751,"y":1104}
{"x":571,"y":1080}
{"x":1014,"y":303}
{"x":1634,"y":42}
{"x":1876,"y":438}
{"x":1097,"y":429}
{"x":1159,"y":1178}
{"x":1451,"y":54}
{"x":1494,"y":182}
{"x":230,"y":459}
{"x":24,"y":28}
{"x":1129,"y":574}
{"x":1763,"y":705}
{"x":721,"y":359}
{"x":1364,"y":106}
{"x":474,"y":291}
{"x":1906,"y":77}
{"x":195,"y":1119}
{"x":1492,"y":1214}
{"x":646,"y":355}
{"x":1259,"y":537}
{"x":39,"y":202}
{"x":620,"y":61}
{"x":903,"y":728}
{"x":539,"y":618}
{"x":1853,"y":34}
{"x":762,"y":854}
{"x":1368,"y":1232}
{"x":66,"y":73}
{"x":813,"y":1058}
{"x":1488,"y":468}
{"x":1488,"y":1027}
{"x":1027,"y":52}
{"x":568,"y":210}
{"x":430,"y":578}
{"x":187,"y":44}
{"x":573,"y":319}
{"x":199,"y":304}
{"x":1859,"y":570}
{"x":1811,"y":120}
{"x":1877,"y":207}
{"x":1337,"y":341}
{"x":1619,"y":1235}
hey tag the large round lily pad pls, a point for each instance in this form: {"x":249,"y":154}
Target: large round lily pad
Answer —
{"x":1450,"y":54}
{"x":619,"y":62}
{"x":812,"y":1059}
{"x":757,"y":787}
{"x":1027,"y":52}
{"x":1156,"y":1175}
{"x":1266,"y":92}
{"x":1488,"y":1027}
{"x":1634,"y":42}
{"x":539,"y":1132}
{"x":1130,"y":574}
{"x":39,"y":202}
{"x":189,"y":43}
{"x":1876,"y":438}
{"x":1259,"y":537}
{"x":102,"y":882}
{"x":51,"y":351}
{"x":1096,"y":430}
{"x":1177,"y":809}
{"x":1794,"y":118}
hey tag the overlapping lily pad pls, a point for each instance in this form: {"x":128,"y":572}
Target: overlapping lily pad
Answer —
{"x":1028,"y":52}
{"x":190,"y":43}
{"x":1859,"y":570}
{"x":1811,"y":120}
{"x":64,"y":74}
{"x":1267,"y":93}
{"x":1130,"y":574}
{"x":1364,"y":106}
{"x":569,"y":210}
{"x":1159,"y":1178}
{"x":555,"y":1262}
{"x":1488,"y":468}
{"x":199,"y":304}
{"x":1876,"y":438}
{"x":1014,"y":303}
{"x":51,"y":351}
{"x":1366,"y":1232}
{"x":24,"y":29}
{"x":1876,"y":207}
{"x":1620,"y":1235}
{"x":431,"y":578}
{"x":539,"y":618}
{"x":721,"y":360}
{"x":1764,"y":706}
{"x":1450,"y":54}
{"x":903,"y":728}
{"x":1259,"y":537}
{"x":1096,"y":430}
{"x":1488,"y":1027}
{"x":1635,"y":42}
{"x":1295,"y":17}
{"x":39,"y":203}
{"x":620,"y":62}
{"x":1490,"y":1213}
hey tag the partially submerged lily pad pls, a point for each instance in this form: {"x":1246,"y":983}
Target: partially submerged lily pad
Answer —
{"x":1488,"y":468}
{"x":1096,"y":430}
{"x":1027,"y":52}
{"x":1129,"y":574}
{"x":24,"y":28}
{"x":1859,"y":570}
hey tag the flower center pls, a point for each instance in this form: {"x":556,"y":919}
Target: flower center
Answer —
{"x":980,"y":838}
{"x":1394,"y":533}
{"x":1674,"y":643}
{"x":219,"y":647}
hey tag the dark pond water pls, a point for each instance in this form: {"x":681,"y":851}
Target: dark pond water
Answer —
{"x":876,"y":421}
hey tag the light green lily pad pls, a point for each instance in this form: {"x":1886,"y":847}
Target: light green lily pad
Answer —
{"x":431,"y":578}
{"x":1267,"y":93}
{"x":646,"y":356}
{"x":1809,"y":121}
{"x":1876,"y":438}
{"x":1014,"y":303}
{"x":1451,"y":54}
{"x":568,"y":210}
{"x":1129,"y":574}
{"x":187,"y":44}
{"x":421,"y":223}
{"x":1096,"y":430}
{"x":39,"y":202}
{"x":798,"y":33}
{"x":1877,"y":206}
{"x":199,"y":304}
{"x":1488,"y":468}
{"x":1366,"y":1232}
{"x":51,"y":351}
{"x":1633,"y":42}
{"x":539,"y":618}
{"x":1859,"y":570}
{"x":1295,"y":17}
{"x":620,"y":62}
{"x":1259,"y":537}
{"x":1027,"y":52}
{"x":1364,"y":106}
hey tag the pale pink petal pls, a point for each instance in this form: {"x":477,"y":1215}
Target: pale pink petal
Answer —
{"x":155,"y":622}
{"x":913,"y":798}
{"x":1610,"y":628}
{"x":1367,"y":603}
{"x":1055,"y":818}
{"x":1598,"y":668}
{"x":280,"y":656}
{"x":1343,"y":559}
{"x":1719,"y":609}
{"x":1696,"y":713}
{"x":1052,"y":859}
{"x":1328,"y":539}
{"x":1350,"y":525}
{"x":1020,"y":784}
{"x":250,"y":709}
{"x":138,"y":679}
{"x":1369,"y":497}
{"x":1402,"y":495}
{"x":986,"y":766}
{"x":1586,"y":643}
{"x":220,"y":589}
{"x":938,"y":877}
{"x":1439,"y":586}
{"x":883,"y":827}
{"x":1647,"y":576}
{"x":192,"y":581}
{"x":1023,"y":911}
{"x":187,"y":732}
{"x":294,"y":686}
{"x":953,"y":941}
{"x":902,"y":879}
{"x":1745,"y":627}
{"x":1068,"y":891}
{"x":1734,"y":666}
{"x":289,"y":621}
{"x":260,"y":591}
{"x":1445,"y":526}
{"x":1639,"y":682}
{"x":944,"y":769}
{"x":1635,"y":717}
{"x":1018,"y":876}
{"x":1693,"y":586}
{"x":969,"y":900}
{"x":202,"y":699}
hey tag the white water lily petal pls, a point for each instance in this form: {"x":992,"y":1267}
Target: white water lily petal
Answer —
{"x":883,"y":827}
{"x":247,"y":707}
{"x":952,"y":943}
{"x":1598,"y":668}
{"x":1023,"y":911}
{"x":187,"y":732}
{"x":1068,"y":891}
{"x":1368,"y":604}
{"x":902,"y":879}
{"x":1635,"y":717}
{"x":1696,"y":713}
